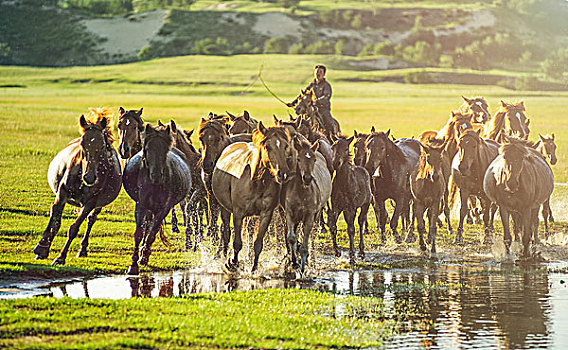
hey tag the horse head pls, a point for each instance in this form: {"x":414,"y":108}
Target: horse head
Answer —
{"x":377,"y":146}
{"x":93,"y":148}
{"x":478,"y":107}
{"x":430,"y":164}
{"x":243,"y":124}
{"x":516,"y":122}
{"x":468,"y":151}
{"x":156,"y":144}
{"x":341,"y":154}
{"x":213,"y":138}
{"x":548,"y":148}
{"x":306,"y":159}
{"x":514,"y":152}
{"x":130,"y":126}
{"x":276,"y":154}
{"x":359,"y":149}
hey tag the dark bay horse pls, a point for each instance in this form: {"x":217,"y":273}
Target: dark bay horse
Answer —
{"x":547,"y":147}
{"x":468,"y":168}
{"x":390,"y":164}
{"x":510,"y":120}
{"x":87,"y":174}
{"x":214,"y":138}
{"x":157,"y":178}
{"x":477,"y":107}
{"x":428,"y":186}
{"x":304,"y":197}
{"x":247,"y":180}
{"x":519,"y":180}
{"x":242,"y":124}
{"x":351,"y":190}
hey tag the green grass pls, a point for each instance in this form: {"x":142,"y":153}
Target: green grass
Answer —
{"x":261,"y":319}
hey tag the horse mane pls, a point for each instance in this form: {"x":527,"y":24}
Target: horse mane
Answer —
{"x":447,"y":131}
{"x":258,"y":138}
{"x":393,"y":152}
{"x":215,"y":124}
{"x":496,"y":124}
{"x":159,"y":133}
{"x":96,"y":116}
{"x":425,"y":168}
{"x":515,"y":144}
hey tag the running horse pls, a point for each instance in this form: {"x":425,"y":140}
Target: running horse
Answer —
{"x":87,"y":174}
{"x":306,"y":107}
{"x":519,"y":180}
{"x":247,"y":180}
{"x":510,"y":120}
{"x":242,"y":124}
{"x":157,"y":178}
{"x":477,"y":107}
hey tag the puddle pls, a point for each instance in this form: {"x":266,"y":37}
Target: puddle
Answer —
{"x":451,"y":305}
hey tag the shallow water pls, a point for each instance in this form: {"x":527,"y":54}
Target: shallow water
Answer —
{"x":478,"y":305}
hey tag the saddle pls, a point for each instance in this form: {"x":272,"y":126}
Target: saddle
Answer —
{"x":235,"y":158}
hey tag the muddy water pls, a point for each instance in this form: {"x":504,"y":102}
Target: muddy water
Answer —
{"x":479,"y":305}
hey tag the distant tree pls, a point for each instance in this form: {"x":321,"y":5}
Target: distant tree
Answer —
{"x":276,"y":45}
{"x":340,"y":47}
{"x":145,"y":53}
{"x":319,"y":47}
{"x":296,"y":49}
{"x":384,"y":48}
{"x":367,"y":50}
{"x":288,"y":3}
{"x":357,"y":22}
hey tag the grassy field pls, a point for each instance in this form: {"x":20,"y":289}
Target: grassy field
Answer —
{"x":39,"y":111}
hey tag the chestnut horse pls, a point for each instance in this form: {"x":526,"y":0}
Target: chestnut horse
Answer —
{"x":87,"y":174}
{"x":510,"y":120}
{"x":157,"y":178}
{"x":247,"y":180}
{"x":519,"y":180}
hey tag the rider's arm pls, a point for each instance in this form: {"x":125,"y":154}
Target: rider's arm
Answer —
{"x":326,"y":94}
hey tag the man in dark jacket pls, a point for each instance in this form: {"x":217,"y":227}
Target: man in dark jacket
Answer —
{"x":322,"y":90}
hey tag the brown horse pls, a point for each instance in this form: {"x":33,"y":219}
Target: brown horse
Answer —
{"x":156,"y":179}
{"x":468,"y":168}
{"x":87,"y":174}
{"x":306,"y":107}
{"x":304,"y":197}
{"x":390,"y":164}
{"x":351,"y":190}
{"x":477,"y":107}
{"x":130,"y":125}
{"x":242,"y":124}
{"x":510,"y":120}
{"x":428,"y":186}
{"x":247,"y":180}
{"x":519,"y":180}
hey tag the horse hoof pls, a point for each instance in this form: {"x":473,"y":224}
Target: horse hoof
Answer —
{"x":337,"y":253}
{"x":41,"y":252}
{"x":82,"y":253}
{"x":133,"y":270}
{"x":58,"y":261}
{"x":231,"y":267}
{"x":423,"y":247}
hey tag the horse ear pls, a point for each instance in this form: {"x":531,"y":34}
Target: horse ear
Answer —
{"x":355,"y":134}
{"x":203,"y":120}
{"x":189,"y":133}
{"x":139,"y":112}
{"x":552,"y":136}
{"x":261,"y":128}
{"x":276,"y":121}
{"x":373,"y":129}
{"x":83,"y":122}
{"x":349,"y":140}
{"x":160,"y":123}
{"x":168,"y":130}
{"x":103,"y":123}
{"x":454,"y":113}
{"x":315,"y":146}
{"x":148,"y":129}
{"x":296,"y":142}
{"x":232,"y":117}
{"x":478,"y":132}
{"x":388,"y":132}
{"x":528,"y":121}
{"x":540,"y":137}
{"x":466,"y":99}
{"x":121,"y":110}
{"x":292,"y":119}
{"x":246,"y":115}
{"x":174,"y":126}
{"x":503,"y":104}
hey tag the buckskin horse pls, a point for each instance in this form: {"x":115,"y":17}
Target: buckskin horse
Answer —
{"x":156,"y":179}
{"x":304,"y":197}
{"x":87,"y":174}
{"x":519,"y":180}
{"x":247,"y":180}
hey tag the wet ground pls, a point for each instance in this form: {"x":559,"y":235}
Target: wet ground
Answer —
{"x":477,"y":303}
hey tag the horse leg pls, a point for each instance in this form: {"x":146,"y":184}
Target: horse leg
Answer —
{"x":546,"y":214}
{"x":141,"y":222}
{"x":488,"y":240}
{"x":175,"y":228}
{"x":527,"y":227}
{"x":534,"y":226}
{"x":225,"y":232}
{"x":419,"y":210}
{"x":291,"y":239}
{"x":506,"y":229}
{"x":394,"y":220}
{"x":410,"y":236}
{"x":349,"y":216}
{"x":151,"y":237}
{"x":307,"y":229}
{"x":85,"y":242}
{"x":517,"y":226}
{"x":363,"y":229}
{"x":446,"y":209}
{"x":72,"y":233}
{"x":463,"y":212}
{"x":433,"y":213}
{"x":550,"y":217}
{"x":41,"y":250}
{"x":232,"y":264}
{"x":190,"y":211}
{"x":265,"y":219}
{"x":332,"y":224}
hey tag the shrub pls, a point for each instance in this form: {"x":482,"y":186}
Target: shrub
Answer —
{"x":296,"y":49}
{"x":367,"y":50}
{"x":421,"y":77}
{"x":145,"y":53}
{"x":384,"y":48}
{"x":340,"y":47}
{"x":276,"y":45}
{"x":319,"y":47}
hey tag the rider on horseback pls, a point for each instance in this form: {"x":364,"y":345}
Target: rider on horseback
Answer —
{"x":322,"y":89}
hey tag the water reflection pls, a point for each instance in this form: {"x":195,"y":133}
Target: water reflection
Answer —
{"x":443,"y":307}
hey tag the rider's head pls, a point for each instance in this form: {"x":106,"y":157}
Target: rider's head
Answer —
{"x":319,"y":72}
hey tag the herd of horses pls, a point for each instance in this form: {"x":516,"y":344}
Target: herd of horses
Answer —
{"x":301,"y":171}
